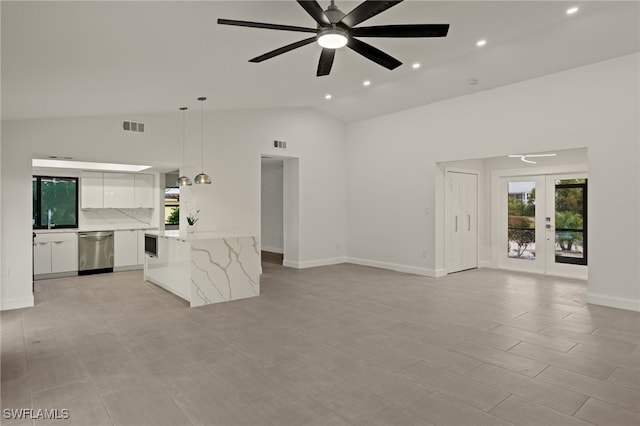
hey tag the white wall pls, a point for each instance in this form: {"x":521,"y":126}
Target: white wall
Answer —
{"x":393,"y":179}
{"x":272,"y":206}
{"x":234,"y":144}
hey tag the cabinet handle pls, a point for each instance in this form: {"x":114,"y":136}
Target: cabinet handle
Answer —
{"x":58,"y":242}
{"x":456,"y":216}
{"x":469,"y":217}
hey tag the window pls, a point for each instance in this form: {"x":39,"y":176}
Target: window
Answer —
{"x":172,"y":206}
{"x":55,"y":202}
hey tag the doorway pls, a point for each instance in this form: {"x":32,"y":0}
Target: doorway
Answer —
{"x":279,"y":210}
{"x":543,"y":224}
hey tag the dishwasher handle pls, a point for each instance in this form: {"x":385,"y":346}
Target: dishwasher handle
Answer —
{"x":95,"y":235}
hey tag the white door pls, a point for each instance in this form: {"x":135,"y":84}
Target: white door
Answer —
{"x":461,"y":221}
{"x":543,"y":224}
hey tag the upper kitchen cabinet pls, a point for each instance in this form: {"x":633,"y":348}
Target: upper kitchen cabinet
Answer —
{"x":91,"y":190}
{"x":119,"y":190}
{"x":143,"y":196}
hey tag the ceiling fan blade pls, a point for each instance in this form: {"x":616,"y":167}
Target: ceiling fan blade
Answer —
{"x":376,"y":55}
{"x":283,"y":49}
{"x":313,"y":8}
{"x":365,"y":10}
{"x":402,"y":31}
{"x":326,"y":62}
{"x":266,"y":26}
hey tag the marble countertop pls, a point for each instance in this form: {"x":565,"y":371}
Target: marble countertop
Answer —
{"x":207,"y":235}
{"x":90,"y":229}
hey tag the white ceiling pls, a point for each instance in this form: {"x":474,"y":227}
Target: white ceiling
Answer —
{"x":63,"y":59}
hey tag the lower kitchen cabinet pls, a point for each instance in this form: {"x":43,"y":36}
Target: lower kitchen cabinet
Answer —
{"x":128,"y":248}
{"x":55,"y":253}
{"x":125,"y":248}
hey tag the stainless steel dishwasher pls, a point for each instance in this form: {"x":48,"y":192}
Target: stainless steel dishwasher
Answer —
{"x":95,"y":252}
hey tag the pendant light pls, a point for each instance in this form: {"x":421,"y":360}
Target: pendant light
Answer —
{"x":183,"y":180}
{"x":202,"y":178}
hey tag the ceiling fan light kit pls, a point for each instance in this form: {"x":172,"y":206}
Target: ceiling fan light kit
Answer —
{"x":332,"y":38}
{"x":335,"y":29}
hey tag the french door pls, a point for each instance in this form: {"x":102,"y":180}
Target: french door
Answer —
{"x":544,"y":224}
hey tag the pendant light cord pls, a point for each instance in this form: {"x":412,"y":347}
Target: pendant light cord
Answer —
{"x":202,"y":99}
{"x":184,"y":132}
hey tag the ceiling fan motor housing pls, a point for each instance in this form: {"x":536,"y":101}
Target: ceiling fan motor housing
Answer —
{"x":334,"y":14}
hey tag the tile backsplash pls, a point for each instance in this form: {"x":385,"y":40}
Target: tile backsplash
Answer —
{"x":107,"y":219}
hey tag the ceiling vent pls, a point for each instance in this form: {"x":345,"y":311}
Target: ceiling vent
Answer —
{"x":132,"y":126}
{"x":280,"y":144}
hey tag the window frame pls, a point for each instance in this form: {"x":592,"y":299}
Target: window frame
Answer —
{"x":38,"y":202}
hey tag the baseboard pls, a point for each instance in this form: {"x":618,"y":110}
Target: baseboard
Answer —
{"x":439,"y":273}
{"x":398,"y":267}
{"x":272,"y":249}
{"x":55,"y":275}
{"x":128,"y":268}
{"x":26,"y":302}
{"x":313,"y":263}
{"x":614,"y":302}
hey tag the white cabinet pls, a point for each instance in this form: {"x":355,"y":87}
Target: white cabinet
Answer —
{"x":143,"y":196}
{"x":118,"y":190}
{"x":91,"y":186}
{"x":42,"y":257}
{"x":64,"y":256}
{"x":55,"y":253}
{"x":141,"y":246}
{"x":125,"y":248}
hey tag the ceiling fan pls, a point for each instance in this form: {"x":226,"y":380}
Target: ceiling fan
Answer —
{"x":336,"y":29}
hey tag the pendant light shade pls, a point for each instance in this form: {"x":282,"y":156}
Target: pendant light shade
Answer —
{"x":183,"y":180}
{"x":202,"y":177}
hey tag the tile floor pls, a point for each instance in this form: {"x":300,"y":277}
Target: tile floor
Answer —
{"x":336,"y":345}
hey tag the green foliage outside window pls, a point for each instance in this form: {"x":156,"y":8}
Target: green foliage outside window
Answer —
{"x":174,"y":216}
{"x":55,"y":202}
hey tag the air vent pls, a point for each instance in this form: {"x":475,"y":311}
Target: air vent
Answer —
{"x":280,"y":144}
{"x":132,"y":126}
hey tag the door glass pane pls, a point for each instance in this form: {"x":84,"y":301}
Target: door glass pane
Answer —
{"x":570,"y":216}
{"x":521,"y":205}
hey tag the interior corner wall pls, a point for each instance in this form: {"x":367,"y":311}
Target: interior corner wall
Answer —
{"x":391,"y":178}
{"x":234,"y":143}
{"x":271,"y":207}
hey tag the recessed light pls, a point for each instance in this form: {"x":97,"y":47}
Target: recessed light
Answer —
{"x":572,"y":10}
{"x":327,"y":96}
{"x":366,"y":83}
{"x":481,"y":43}
{"x":416,"y":65}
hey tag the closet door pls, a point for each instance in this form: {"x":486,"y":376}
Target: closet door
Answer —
{"x":462,"y":221}
{"x":469,"y":231}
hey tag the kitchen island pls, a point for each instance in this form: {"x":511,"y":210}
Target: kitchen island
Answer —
{"x":205,"y":268}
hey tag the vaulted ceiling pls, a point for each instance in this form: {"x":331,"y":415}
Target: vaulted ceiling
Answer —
{"x":65,"y":59}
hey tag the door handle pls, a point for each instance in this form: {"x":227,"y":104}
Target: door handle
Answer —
{"x":456,"y":216}
{"x":469,"y":217}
